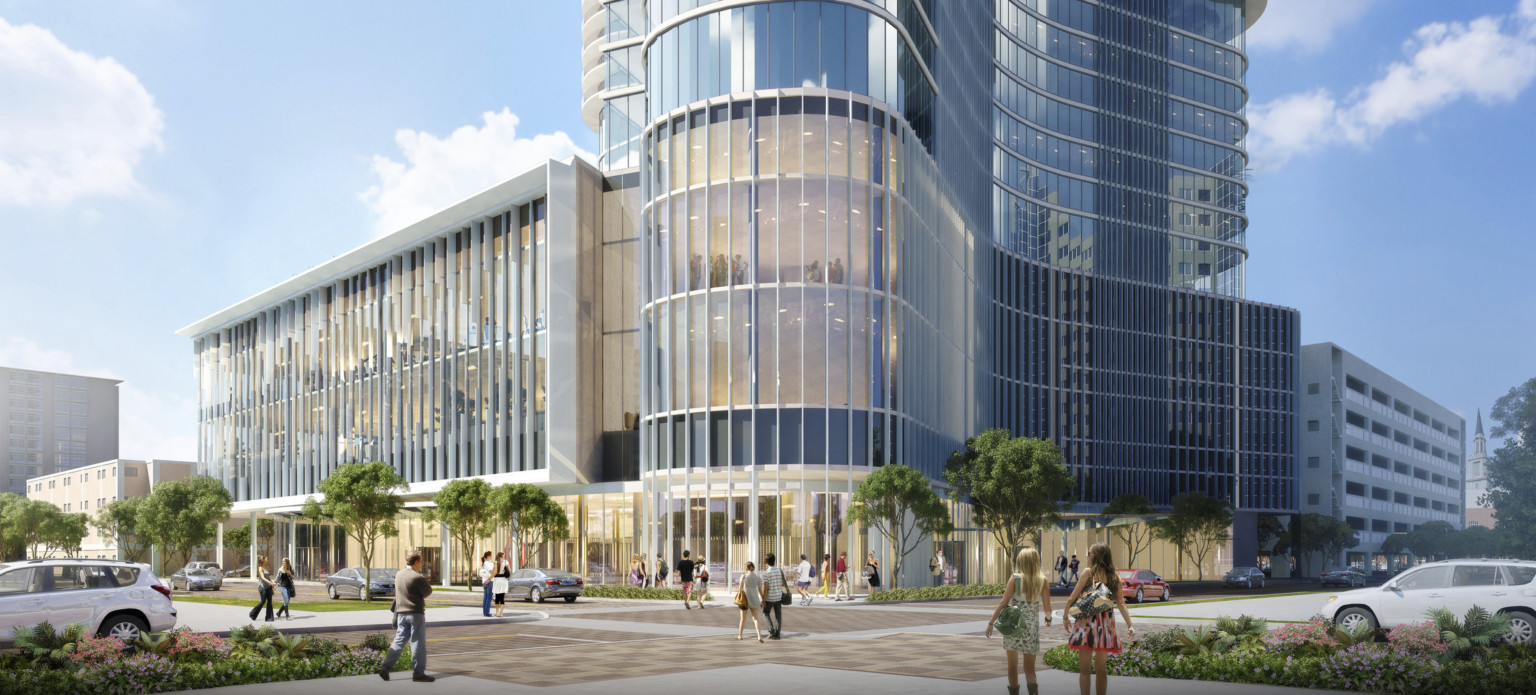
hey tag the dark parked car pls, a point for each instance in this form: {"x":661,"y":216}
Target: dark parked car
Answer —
{"x":1250,"y":577}
{"x":349,"y":582}
{"x":538,"y":584}
{"x":197,"y":579}
{"x":1348,"y":576}
{"x":1138,"y":585}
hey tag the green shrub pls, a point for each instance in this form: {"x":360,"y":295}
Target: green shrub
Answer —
{"x":636,"y":592}
{"x":49,"y":646}
{"x":324,"y":646}
{"x":1473,"y":637}
{"x":929,"y":593}
{"x":1495,"y":676}
{"x":377,"y":641}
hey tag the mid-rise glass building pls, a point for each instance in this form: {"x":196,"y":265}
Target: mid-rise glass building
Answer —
{"x":822,"y":236}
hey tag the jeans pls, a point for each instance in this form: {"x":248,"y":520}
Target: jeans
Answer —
{"x":409,"y":627}
{"x":485,"y":606}
{"x":1063,"y":577}
{"x":287,"y":596}
{"x":264,"y":598}
{"x":773,"y":612}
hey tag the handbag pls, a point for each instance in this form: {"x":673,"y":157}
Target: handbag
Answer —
{"x":499,"y":585}
{"x":1010,"y":620}
{"x":1095,"y":601}
{"x":868,"y":572}
{"x":741,"y":599}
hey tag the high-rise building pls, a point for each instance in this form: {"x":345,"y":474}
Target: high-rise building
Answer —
{"x":55,"y":422}
{"x":821,"y":237}
{"x":1378,"y":454}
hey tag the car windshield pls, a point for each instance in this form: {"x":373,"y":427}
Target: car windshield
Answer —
{"x":557,"y":573}
{"x":1126,"y":574}
{"x":382,"y":575}
{"x":198,"y":572}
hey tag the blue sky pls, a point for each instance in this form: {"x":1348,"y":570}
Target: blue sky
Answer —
{"x":162,"y":160}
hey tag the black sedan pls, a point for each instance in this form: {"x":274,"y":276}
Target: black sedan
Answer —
{"x":1249,"y":577}
{"x":1348,"y":576}
{"x":197,"y":579}
{"x":538,"y":584}
{"x":349,"y":582}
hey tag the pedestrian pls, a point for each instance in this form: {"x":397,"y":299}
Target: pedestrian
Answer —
{"x":1073,"y":566}
{"x":936,"y":566}
{"x":410,"y":609}
{"x":263,"y":590}
{"x":1029,"y":591}
{"x":872,"y":573}
{"x":1092,"y":632}
{"x":661,"y":571}
{"x":685,"y":575}
{"x":826,"y":573}
{"x":636,"y":575}
{"x":776,"y":591}
{"x":487,"y":569}
{"x":844,"y":587}
{"x":804,"y":573}
{"x":1061,"y":567}
{"x":499,"y":582}
{"x":701,"y":581}
{"x":285,"y":585}
{"x":750,"y":599}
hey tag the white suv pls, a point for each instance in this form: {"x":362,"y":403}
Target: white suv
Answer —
{"x":116,"y":599}
{"x":1501,"y":586}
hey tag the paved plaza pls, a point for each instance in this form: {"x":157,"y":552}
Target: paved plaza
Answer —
{"x":607,"y":646}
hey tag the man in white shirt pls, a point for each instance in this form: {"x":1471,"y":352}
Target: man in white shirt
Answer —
{"x":936,"y":565}
{"x":803,"y":580}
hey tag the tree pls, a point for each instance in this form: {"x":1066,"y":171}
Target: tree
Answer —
{"x":1432,"y":539}
{"x":364,"y":499}
{"x":13,"y":545}
{"x":1015,"y":484}
{"x":899,"y":502}
{"x":1512,"y":470}
{"x":239,"y":538}
{"x":24,"y":524}
{"x":1196,"y":525}
{"x":530,"y":515}
{"x":181,"y":515}
{"x":65,"y":533}
{"x":1136,"y":536}
{"x":464,"y":506}
{"x":1395,"y":545}
{"x":119,"y":520}
{"x":1317,"y":533}
{"x":1474,"y":541}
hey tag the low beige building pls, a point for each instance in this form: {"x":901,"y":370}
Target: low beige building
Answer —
{"x":92,"y":487}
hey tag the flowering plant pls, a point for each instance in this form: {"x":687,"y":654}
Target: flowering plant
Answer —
{"x":142,"y":673}
{"x":1312,"y":638}
{"x":200,"y":645}
{"x":1419,"y":639}
{"x":1372,"y":668}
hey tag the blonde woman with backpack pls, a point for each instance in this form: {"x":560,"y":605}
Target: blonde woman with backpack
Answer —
{"x":1090,"y":618}
{"x":1028,"y":590}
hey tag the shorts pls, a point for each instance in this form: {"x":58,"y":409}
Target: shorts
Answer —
{"x":687,"y":587}
{"x":804,"y":585}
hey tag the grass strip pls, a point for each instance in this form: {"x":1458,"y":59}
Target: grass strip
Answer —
{"x":1192,"y":602}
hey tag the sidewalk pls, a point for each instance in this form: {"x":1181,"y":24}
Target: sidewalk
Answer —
{"x":220,"y":619}
{"x":764,"y":678}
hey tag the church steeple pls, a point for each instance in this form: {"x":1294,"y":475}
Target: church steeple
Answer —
{"x":1477,"y":466}
{"x":1479,"y":422}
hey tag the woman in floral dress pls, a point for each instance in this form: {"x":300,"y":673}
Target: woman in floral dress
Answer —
{"x":1028,"y":589}
{"x":1094,"y":636}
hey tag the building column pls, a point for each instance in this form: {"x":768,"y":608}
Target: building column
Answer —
{"x":218,"y":544}
{"x":445,"y":566}
{"x":293,"y":539}
{"x":1245,"y":539}
{"x":254,"y":530}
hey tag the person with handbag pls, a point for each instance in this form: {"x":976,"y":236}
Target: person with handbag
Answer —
{"x":750,"y":598}
{"x":285,"y":586}
{"x":263,"y":590}
{"x":1017,"y":617}
{"x":844,"y":587}
{"x":872,"y":573}
{"x":1090,"y":619}
{"x":499,"y":582}
{"x":701,"y":581}
{"x":776,"y":591}
{"x":486,"y":570}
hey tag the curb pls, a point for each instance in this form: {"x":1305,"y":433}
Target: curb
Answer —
{"x":525,"y":617}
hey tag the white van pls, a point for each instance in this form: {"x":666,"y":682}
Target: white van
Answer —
{"x":1501,"y":586}
{"x":113,"y":599}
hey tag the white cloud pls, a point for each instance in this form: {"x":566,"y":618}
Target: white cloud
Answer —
{"x":150,"y":424}
{"x":71,"y":125}
{"x":440,"y":171}
{"x":1306,"y":25}
{"x":1489,"y":60}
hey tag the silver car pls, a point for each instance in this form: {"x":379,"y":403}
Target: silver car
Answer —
{"x":538,"y":584}
{"x":197,"y":579}
{"x":112,"y":599}
{"x":349,"y":582}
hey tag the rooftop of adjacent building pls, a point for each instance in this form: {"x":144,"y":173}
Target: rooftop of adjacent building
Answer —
{"x":19,"y":370}
{"x":1399,"y":390}
{"x":89,"y":468}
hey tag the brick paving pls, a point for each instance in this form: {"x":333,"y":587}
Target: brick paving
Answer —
{"x":796,"y":619}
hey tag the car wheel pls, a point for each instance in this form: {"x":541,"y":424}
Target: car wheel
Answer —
{"x":1352,"y":618}
{"x":1139,"y":597}
{"x":330,"y":589}
{"x":570,"y":599}
{"x":1250,"y":583}
{"x":1521,"y":627}
{"x":1261,"y":583}
{"x":1167,"y":591}
{"x":536,"y":596}
{"x":126,"y":628}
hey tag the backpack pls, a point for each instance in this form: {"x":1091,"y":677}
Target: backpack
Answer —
{"x":813,"y":571}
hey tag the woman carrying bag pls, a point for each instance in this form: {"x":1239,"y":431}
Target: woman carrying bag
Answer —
{"x":486,"y":570}
{"x":750,"y":598}
{"x":872,"y":573}
{"x":285,"y":585}
{"x":1090,"y":619}
{"x":500,"y":581}
{"x":263,"y":590}
{"x":1020,"y":624}
{"x":701,"y":582}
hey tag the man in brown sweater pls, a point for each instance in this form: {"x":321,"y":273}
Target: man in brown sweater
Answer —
{"x":411,"y":592}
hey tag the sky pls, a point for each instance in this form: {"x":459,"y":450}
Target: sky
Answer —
{"x":162,"y":160}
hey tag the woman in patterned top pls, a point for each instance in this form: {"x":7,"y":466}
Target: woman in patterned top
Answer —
{"x":1028,"y":590}
{"x":1094,"y":637}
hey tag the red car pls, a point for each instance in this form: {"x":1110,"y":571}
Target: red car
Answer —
{"x":1139,"y":585}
